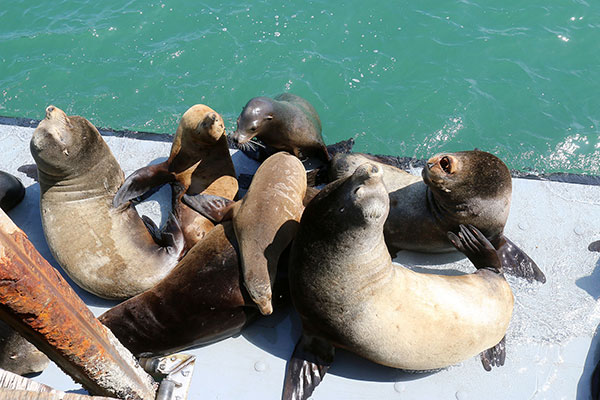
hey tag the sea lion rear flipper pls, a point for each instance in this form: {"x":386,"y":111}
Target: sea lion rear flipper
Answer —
{"x":495,"y":356}
{"x":473,"y":244}
{"x":594,"y":246}
{"x":310,"y":361}
{"x":516,"y":262}
{"x":142,"y":181}
{"x":215,"y":208}
{"x":170,"y":237}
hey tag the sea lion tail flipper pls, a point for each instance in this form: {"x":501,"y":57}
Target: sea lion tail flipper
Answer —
{"x":495,"y":356}
{"x":473,"y":244}
{"x":152,"y":228}
{"x":171,"y":237}
{"x":215,"y":208}
{"x":516,"y":262}
{"x":310,"y":361}
{"x":594,"y":246}
{"x":143,"y":182}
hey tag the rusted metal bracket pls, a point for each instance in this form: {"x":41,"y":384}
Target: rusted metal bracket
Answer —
{"x":176,"y":372}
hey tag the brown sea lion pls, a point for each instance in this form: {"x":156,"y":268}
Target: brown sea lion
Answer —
{"x":286,"y":122}
{"x":199,"y":162}
{"x":106,"y":250}
{"x":276,"y":195}
{"x":204,"y":299}
{"x":350,"y":295}
{"x":467,"y":187}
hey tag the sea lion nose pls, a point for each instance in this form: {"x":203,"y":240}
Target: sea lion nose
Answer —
{"x":430,"y":165}
{"x":49,"y":110}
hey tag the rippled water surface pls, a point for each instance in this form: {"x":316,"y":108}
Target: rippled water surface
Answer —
{"x":519,"y":79}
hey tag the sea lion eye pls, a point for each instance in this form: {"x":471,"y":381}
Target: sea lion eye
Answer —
{"x":446,"y":165}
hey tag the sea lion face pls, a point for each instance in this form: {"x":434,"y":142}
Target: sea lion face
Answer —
{"x":205,"y":125}
{"x":255,"y":117}
{"x":359,"y":200}
{"x":467,"y":174}
{"x":62,"y":144}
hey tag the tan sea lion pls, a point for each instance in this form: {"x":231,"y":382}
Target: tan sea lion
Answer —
{"x":350,"y":295}
{"x":203,"y":299}
{"x":199,"y":162}
{"x":106,"y":250}
{"x":467,"y":187}
{"x":286,"y":122}
{"x":276,"y":195}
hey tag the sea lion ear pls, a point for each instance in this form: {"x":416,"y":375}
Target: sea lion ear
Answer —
{"x":215,"y":208}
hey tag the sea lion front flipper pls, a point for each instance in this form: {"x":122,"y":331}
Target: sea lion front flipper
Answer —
{"x":215,"y":208}
{"x":594,"y":246}
{"x":516,"y":262}
{"x":142,"y":181}
{"x":495,"y":356}
{"x":310,"y":361}
{"x":473,"y":244}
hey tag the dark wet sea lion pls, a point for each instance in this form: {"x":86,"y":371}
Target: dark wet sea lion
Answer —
{"x":18,"y":355}
{"x":468,"y":187}
{"x":265,"y":221}
{"x":106,"y":250}
{"x":204,"y":298}
{"x":350,"y":295}
{"x":199,"y":302}
{"x":199,"y":162}
{"x":286,"y":122}
{"x":11,"y":191}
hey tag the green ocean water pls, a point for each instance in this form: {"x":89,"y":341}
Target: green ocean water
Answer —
{"x":519,"y":79}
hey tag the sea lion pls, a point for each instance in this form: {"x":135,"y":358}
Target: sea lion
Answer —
{"x":12,"y":191}
{"x":286,"y":122}
{"x":199,"y":162}
{"x":276,"y":197}
{"x":106,"y":250}
{"x":203,"y":298}
{"x":467,"y":187}
{"x":350,"y":295}
{"x":594,"y":246}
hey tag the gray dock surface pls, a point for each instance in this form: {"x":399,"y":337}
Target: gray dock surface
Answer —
{"x":551,"y":344}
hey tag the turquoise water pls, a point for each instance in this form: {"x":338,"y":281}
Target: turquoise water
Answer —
{"x":520,"y":79}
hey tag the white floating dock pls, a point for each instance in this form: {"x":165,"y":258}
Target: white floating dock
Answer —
{"x":551,"y":344}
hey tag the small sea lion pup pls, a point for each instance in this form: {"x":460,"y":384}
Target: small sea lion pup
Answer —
{"x":264,"y":220}
{"x":11,"y":191}
{"x":199,"y":163}
{"x":106,"y":250}
{"x":286,"y":122}
{"x":203,"y":299}
{"x":350,"y":295}
{"x":467,"y":187}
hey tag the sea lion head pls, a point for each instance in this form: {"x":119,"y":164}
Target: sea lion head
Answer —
{"x":467,"y":174}
{"x":202,"y":124}
{"x":255,"y":116}
{"x":63,"y":145}
{"x":358,"y":201}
